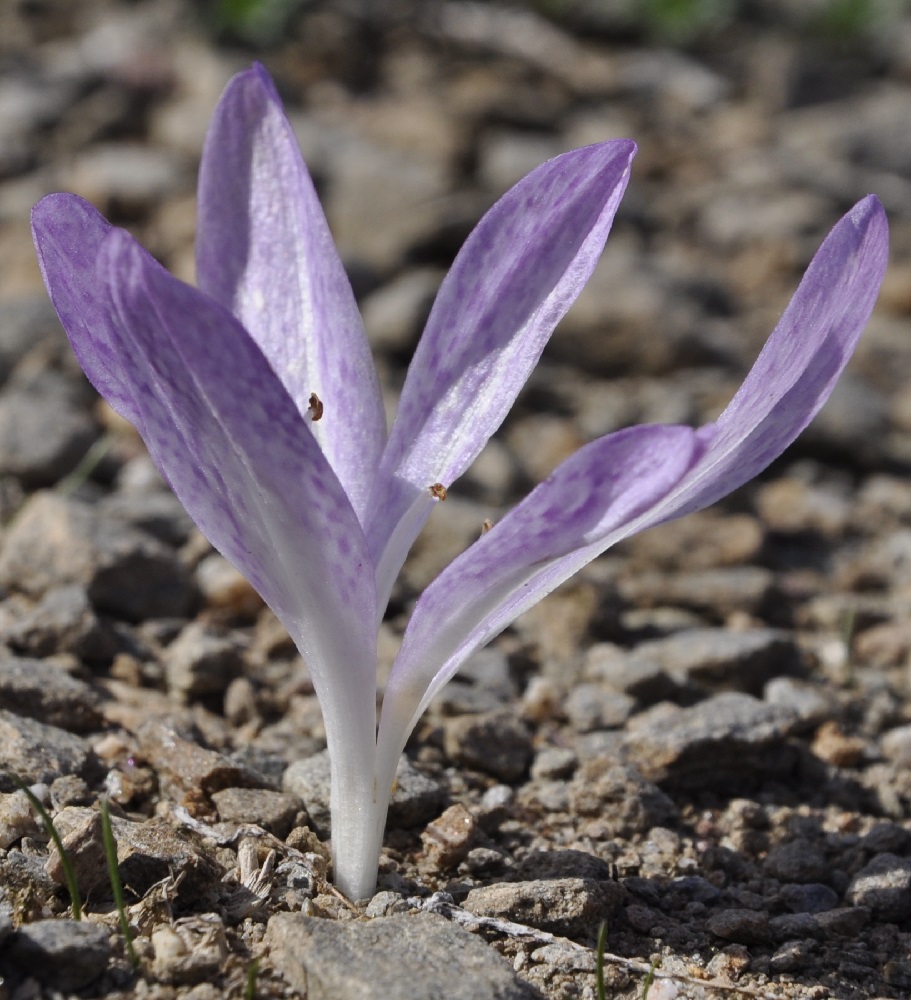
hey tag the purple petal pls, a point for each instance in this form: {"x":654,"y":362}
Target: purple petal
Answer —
{"x":583,"y":508}
{"x":265,"y":252}
{"x":223,"y":431}
{"x":514,"y":279}
{"x":797,"y":369}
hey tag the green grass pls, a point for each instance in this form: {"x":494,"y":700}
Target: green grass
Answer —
{"x":110,"y":851}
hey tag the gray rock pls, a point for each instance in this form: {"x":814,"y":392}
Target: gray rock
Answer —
{"x":418,"y":957}
{"x":273,"y":811}
{"x":63,"y":621}
{"x":157,"y":512}
{"x":40,"y":753}
{"x":628,"y":802}
{"x":201,"y":662}
{"x":719,"y":743}
{"x":561,"y":864}
{"x":797,"y":861}
{"x":417,"y":798}
{"x":126,"y":573}
{"x":712,"y":592}
{"x":44,"y":433}
{"x":590,"y":707}
{"x":884,"y":886}
{"x":794,"y":925}
{"x":564,"y":906}
{"x":62,"y":954}
{"x":395,"y":313}
{"x":793,"y":955}
{"x":813,"y":704}
{"x":808,"y":898}
{"x":46,"y":692}
{"x":498,"y":744}
{"x":26,"y":322}
{"x":724,"y":659}
{"x":17,"y":818}
{"x":742,"y":926}
{"x":635,"y":674}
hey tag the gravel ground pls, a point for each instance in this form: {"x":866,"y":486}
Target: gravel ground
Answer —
{"x":704,"y":740}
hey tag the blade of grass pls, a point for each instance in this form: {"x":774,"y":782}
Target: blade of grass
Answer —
{"x":252,"y":973}
{"x":599,"y":968}
{"x":650,"y":978}
{"x":69,"y":872}
{"x":110,"y":851}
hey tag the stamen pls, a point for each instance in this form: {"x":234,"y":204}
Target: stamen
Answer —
{"x":438,"y":491}
{"x":486,"y":525}
{"x":316,"y":407}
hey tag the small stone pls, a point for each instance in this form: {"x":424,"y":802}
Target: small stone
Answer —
{"x":808,"y":898}
{"x":797,"y":861}
{"x":63,"y":954}
{"x":201,"y":662}
{"x":385,"y":904}
{"x":834,"y":747}
{"x":793,"y":956}
{"x":273,"y":811}
{"x":63,"y":621}
{"x":395,"y":313}
{"x":564,"y":906}
{"x":845,"y":921}
{"x":409,"y":957}
{"x":498,"y":744}
{"x":714,"y":592}
{"x":41,"y":753}
{"x":628,"y":802}
{"x":191,"y":950}
{"x":40,"y":690}
{"x":80,"y":829}
{"x":17,"y":818}
{"x":884,"y":886}
{"x":57,"y":540}
{"x":449,"y":838}
{"x":896,"y":745}
{"x":224,"y":586}
{"x":718,"y":743}
{"x":554,"y":762}
{"x":790,"y":926}
{"x":590,"y":707}
{"x":742,"y":926}
{"x":155,"y":512}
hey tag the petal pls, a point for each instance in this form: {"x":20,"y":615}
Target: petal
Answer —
{"x":582,"y":509}
{"x":265,"y":252}
{"x":799,"y":365}
{"x":515,"y":278}
{"x":229,"y":439}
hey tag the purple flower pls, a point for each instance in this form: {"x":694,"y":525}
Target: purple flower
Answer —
{"x":258,"y":400}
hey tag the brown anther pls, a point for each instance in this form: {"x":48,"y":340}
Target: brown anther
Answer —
{"x":316,"y":407}
{"x":438,"y":491}
{"x":486,"y":525}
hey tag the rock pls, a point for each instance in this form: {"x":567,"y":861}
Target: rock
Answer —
{"x":797,"y":861}
{"x":80,"y":829}
{"x":157,"y":512}
{"x":201,"y":662}
{"x":189,"y":773}
{"x":712,"y":592}
{"x":416,"y":800}
{"x":63,"y":621}
{"x":634,"y":674}
{"x":63,"y":954}
{"x":808,"y":898}
{"x":498,"y":744}
{"x":540,"y":865}
{"x":449,"y":838}
{"x":126,"y":573}
{"x":812,"y":703}
{"x":884,"y":886}
{"x":564,"y":906}
{"x":742,"y":926}
{"x":628,"y":802}
{"x":554,"y":762}
{"x":273,"y":811}
{"x":793,"y":956}
{"x":417,"y":957}
{"x":26,"y":322}
{"x":722,"y":659}
{"x":43,"y":691}
{"x":720,"y":743}
{"x":590,"y":707}
{"x":190,"y":950}
{"x":44,"y":434}
{"x":40,"y":753}
{"x":395,"y":313}
{"x":224,"y":586}
{"x":17,"y":818}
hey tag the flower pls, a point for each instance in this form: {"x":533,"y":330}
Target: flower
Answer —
{"x":258,"y":401}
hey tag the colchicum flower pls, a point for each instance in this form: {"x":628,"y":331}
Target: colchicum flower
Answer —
{"x":258,"y":400}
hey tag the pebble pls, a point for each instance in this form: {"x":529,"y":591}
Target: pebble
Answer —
{"x":808,"y":898}
{"x":17,"y":818}
{"x":157,"y":512}
{"x":884,"y":886}
{"x":62,"y":954}
{"x":126,"y":573}
{"x":395,"y":313}
{"x":564,"y":906}
{"x":40,"y":690}
{"x":718,"y":744}
{"x":590,"y":707}
{"x":797,"y":861}
{"x":62,"y":621}
{"x":498,"y":744}
{"x":715,"y":593}
{"x":628,"y":802}
{"x":409,"y":957}
{"x":724,"y":659}
{"x":273,"y":811}
{"x":190,"y":950}
{"x":742,"y":926}
{"x":201,"y":662}
{"x":448,"y":839}
{"x":44,"y":433}
{"x":40,"y":753}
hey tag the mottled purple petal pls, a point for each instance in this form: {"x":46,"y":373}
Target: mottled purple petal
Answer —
{"x":797,"y":369}
{"x":516,"y":276}
{"x":265,"y":252}
{"x":223,"y":431}
{"x":582,"y":509}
